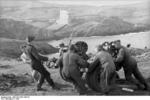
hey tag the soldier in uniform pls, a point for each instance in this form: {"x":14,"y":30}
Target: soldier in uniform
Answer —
{"x":129,"y":65}
{"x":36,"y":64}
{"x":107,"y":75}
{"x":71,"y":72}
{"x":27,"y":60}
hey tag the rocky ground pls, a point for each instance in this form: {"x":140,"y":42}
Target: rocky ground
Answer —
{"x":16,"y":79}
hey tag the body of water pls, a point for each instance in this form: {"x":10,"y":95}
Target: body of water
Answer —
{"x":137,"y":40}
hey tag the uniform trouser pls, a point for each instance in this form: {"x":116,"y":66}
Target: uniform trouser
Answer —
{"x":137,"y":74}
{"x":77,"y":81}
{"x":44,"y":74}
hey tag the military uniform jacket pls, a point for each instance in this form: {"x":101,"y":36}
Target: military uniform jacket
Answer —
{"x":36,"y":59}
{"x":125,"y":59}
{"x":105,"y":61}
{"x":71,"y":63}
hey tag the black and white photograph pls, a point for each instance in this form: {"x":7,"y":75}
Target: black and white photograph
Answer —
{"x":74,"y":48}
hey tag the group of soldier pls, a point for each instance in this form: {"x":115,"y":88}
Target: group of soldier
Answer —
{"x":108,"y":59}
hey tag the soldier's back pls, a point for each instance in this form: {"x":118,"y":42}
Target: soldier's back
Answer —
{"x":69,"y":59}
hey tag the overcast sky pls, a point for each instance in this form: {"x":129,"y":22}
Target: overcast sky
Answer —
{"x":95,"y":2}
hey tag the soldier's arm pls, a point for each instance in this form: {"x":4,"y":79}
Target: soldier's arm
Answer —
{"x":37,"y":56}
{"x":81,"y":62}
{"x":120,"y":56}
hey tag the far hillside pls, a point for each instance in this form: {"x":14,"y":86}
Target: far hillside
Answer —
{"x":79,"y":27}
{"x":21,"y":18}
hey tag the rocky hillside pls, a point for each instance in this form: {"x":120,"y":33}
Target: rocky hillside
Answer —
{"x":20,"y":18}
{"x":79,"y":27}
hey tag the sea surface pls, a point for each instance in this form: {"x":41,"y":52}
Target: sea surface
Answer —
{"x":137,"y":40}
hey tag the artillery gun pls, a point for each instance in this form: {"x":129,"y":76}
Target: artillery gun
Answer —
{"x":93,"y":77}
